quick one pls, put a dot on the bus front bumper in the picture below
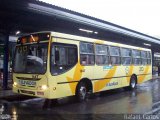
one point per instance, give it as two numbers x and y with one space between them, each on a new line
30 92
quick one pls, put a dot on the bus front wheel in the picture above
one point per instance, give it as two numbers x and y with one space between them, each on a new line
81 93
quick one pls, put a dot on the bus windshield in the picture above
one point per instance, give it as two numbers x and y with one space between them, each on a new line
31 58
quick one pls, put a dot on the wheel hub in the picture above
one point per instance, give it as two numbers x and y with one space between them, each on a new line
133 83
83 92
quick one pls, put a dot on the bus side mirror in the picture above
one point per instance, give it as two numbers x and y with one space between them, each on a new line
56 56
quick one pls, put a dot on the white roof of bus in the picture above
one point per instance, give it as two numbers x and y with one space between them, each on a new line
86 39
156 55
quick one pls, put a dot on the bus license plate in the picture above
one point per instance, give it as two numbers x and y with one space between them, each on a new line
27 83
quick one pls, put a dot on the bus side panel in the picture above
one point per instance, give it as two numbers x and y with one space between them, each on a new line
128 71
107 77
146 74
67 82
64 84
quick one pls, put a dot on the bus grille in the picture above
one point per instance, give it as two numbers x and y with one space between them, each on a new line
28 92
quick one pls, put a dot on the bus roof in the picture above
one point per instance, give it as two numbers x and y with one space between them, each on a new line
87 39
98 41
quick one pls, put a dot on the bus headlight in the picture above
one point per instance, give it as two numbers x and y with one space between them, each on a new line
15 83
44 87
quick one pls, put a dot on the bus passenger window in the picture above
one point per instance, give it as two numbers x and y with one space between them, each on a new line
115 60
86 53
126 56
148 57
84 59
115 55
136 57
144 57
102 57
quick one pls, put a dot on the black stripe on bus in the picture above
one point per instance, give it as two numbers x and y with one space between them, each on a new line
118 77
67 82
109 78
144 74
101 79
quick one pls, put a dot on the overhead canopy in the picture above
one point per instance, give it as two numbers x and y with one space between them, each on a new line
32 16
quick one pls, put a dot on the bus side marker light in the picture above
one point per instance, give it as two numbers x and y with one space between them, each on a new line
54 88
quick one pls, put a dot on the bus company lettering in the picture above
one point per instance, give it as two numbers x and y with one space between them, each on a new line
141 68
27 83
112 84
107 67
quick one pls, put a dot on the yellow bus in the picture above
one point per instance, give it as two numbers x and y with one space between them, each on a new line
53 65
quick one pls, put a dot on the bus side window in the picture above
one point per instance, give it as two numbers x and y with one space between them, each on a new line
148 57
87 53
102 56
83 59
144 57
126 56
136 57
115 55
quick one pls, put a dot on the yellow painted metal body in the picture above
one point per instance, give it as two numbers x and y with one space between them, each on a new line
102 77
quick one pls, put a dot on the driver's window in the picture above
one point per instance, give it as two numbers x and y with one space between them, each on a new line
63 57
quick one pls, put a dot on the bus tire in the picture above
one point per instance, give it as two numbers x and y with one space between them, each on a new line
81 93
133 83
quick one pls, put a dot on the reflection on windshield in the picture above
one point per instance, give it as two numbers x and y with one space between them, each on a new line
35 58
31 58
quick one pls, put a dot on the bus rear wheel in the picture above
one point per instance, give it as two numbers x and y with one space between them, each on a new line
133 83
81 93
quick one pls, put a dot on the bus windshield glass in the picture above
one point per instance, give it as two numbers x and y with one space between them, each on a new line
31 58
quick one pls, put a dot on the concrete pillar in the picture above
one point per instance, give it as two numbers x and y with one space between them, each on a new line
152 60
6 59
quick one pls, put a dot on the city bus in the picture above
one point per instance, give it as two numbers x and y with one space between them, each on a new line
54 65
